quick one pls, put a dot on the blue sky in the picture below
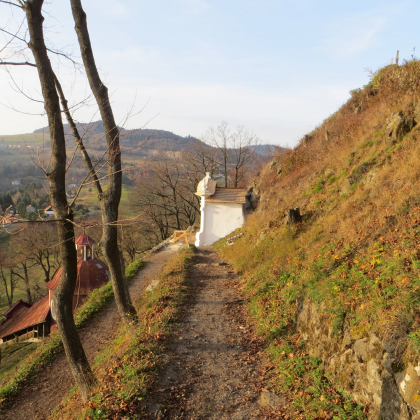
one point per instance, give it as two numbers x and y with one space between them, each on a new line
277 67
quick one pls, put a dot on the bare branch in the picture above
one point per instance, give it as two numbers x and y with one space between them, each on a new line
11 4
9 63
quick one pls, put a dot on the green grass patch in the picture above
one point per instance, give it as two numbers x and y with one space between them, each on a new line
302 378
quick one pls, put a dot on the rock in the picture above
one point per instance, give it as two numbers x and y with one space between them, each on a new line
293 217
392 406
361 350
398 126
370 177
327 136
307 139
252 200
279 170
152 285
408 383
272 400
328 172
417 113
347 340
345 186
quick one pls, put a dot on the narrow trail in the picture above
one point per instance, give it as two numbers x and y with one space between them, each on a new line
212 369
47 389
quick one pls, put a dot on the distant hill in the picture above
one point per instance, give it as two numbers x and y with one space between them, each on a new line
147 139
19 153
142 141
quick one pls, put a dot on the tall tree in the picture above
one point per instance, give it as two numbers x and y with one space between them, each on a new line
110 198
220 138
235 151
63 295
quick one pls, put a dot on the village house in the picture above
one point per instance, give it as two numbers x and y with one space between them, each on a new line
48 211
9 219
30 209
24 321
222 210
10 210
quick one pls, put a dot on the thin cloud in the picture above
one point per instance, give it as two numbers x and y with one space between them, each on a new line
194 7
345 44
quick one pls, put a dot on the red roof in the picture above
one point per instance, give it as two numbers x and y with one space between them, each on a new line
16 309
84 240
49 208
32 316
91 274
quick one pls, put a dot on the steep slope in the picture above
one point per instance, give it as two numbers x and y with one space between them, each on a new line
340 288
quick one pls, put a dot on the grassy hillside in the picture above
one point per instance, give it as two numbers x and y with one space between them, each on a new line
88 197
355 254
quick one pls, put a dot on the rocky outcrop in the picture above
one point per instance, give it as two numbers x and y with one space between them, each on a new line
397 126
362 364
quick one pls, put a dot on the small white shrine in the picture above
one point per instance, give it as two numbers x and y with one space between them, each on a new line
221 211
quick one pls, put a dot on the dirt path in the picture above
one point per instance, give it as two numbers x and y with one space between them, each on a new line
45 392
212 369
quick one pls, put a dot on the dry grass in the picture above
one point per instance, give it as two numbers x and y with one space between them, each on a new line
357 250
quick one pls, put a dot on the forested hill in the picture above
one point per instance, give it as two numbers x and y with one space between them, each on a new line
147 138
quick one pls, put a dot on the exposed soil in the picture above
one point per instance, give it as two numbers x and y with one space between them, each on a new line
46 390
212 369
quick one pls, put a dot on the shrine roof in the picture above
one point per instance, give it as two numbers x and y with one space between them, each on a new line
84 240
228 195
91 274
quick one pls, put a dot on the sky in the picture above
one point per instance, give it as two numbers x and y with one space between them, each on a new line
276 67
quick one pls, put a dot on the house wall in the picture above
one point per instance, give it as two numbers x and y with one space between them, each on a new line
218 220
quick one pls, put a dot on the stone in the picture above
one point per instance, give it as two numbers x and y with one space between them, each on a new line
409 385
152 285
370 177
293 217
398 126
347 340
328 172
417 113
307 139
392 405
272 400
252 200
361 350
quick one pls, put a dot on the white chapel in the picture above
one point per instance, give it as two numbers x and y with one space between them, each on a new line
222 210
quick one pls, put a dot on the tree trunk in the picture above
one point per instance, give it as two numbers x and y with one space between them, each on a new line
63 296
110 199
27 285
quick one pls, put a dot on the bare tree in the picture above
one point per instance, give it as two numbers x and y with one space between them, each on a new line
136 239
166 197
109 199
242 151
201 158
236 150
39 246
220 138
8 278
63 295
